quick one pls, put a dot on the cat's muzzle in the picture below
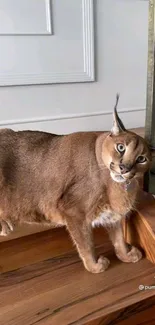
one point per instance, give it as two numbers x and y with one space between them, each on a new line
123 174
125 168
121 178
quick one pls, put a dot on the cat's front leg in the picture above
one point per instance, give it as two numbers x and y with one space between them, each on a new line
81 234
6 227
122 250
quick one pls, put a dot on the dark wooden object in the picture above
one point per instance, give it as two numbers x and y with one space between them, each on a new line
140 228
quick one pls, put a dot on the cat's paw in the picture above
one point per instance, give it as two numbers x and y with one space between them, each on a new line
5 231
6 227
134 255
100 266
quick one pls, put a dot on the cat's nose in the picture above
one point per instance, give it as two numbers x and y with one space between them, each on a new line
125 168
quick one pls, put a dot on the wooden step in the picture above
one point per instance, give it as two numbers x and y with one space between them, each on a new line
44 282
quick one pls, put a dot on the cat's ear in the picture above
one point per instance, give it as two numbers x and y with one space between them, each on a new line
118 126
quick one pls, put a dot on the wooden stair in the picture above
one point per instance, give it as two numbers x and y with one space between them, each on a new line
43 282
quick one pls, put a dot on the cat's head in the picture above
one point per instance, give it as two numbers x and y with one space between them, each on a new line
126 154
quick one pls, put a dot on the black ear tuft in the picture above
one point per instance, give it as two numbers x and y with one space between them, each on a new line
117 123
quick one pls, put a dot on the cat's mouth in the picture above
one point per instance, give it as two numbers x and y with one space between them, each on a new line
119 178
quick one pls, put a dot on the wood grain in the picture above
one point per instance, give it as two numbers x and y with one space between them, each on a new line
141 313
67 294
41 246
24 230
58 290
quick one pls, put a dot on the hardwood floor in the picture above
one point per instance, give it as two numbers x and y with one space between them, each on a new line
43 282
41 246
141 313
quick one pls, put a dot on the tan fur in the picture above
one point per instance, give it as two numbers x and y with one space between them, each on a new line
66 180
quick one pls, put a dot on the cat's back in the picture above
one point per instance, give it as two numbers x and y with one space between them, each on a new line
11 138
33 140
21 152
37 150
6 138
7 145
24 142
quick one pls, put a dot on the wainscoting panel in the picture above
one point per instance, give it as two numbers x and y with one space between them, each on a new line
24 17
44 41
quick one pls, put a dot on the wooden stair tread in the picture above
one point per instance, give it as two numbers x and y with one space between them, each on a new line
45 283
31 249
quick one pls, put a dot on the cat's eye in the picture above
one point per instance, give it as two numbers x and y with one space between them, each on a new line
141 160
120 147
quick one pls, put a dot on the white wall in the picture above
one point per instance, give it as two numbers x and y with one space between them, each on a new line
121 66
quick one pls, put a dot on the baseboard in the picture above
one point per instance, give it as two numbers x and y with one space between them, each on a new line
132 118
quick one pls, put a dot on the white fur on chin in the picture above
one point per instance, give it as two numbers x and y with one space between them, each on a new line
117 178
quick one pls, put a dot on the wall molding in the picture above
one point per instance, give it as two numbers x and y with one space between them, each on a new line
33 33
68 116
87 73
43 78
48 17
88 38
